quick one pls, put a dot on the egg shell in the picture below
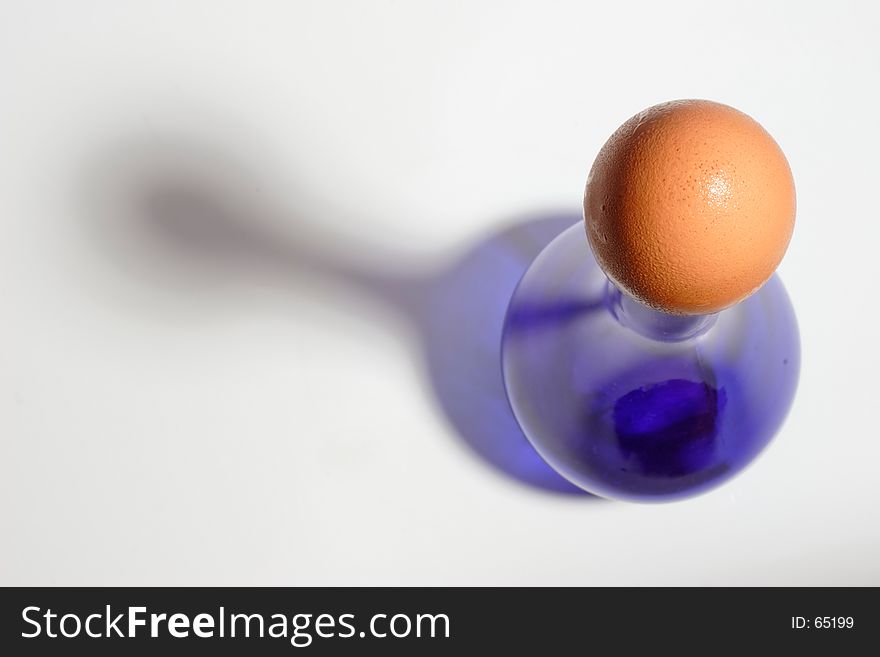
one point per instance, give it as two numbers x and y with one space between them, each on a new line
690 206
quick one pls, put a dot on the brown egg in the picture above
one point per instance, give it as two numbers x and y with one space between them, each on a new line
690 206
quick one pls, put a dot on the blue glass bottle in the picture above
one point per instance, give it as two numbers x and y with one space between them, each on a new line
631 403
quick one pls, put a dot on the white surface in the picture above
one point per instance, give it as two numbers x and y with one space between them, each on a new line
166 418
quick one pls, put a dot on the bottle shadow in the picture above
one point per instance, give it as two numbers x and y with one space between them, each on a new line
184 211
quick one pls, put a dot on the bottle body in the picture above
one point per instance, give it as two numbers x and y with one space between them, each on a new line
633 404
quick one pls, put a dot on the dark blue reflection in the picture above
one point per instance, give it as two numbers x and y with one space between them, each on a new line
669 428
525 317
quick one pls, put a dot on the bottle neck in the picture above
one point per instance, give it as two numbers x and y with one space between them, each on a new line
652 323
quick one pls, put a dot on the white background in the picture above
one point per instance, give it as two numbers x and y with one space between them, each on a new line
180 405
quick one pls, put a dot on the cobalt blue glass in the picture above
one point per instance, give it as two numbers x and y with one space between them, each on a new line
634 404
